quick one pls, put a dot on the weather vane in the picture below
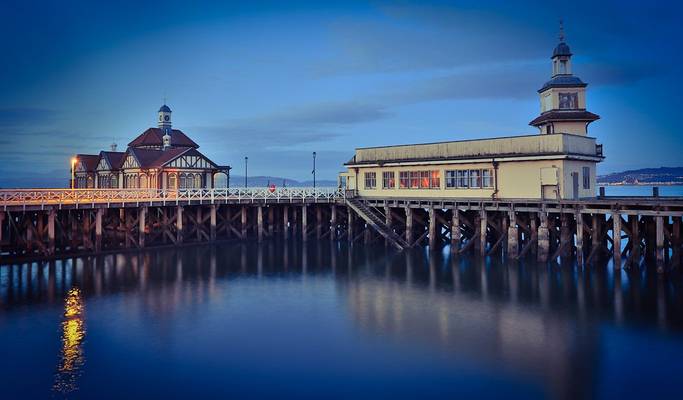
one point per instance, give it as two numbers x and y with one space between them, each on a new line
561 30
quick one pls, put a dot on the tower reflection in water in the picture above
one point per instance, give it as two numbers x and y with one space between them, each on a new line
72 357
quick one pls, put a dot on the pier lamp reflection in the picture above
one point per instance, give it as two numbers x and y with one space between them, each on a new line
73 333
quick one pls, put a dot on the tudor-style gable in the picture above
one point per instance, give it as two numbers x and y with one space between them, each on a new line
103 165
191 161
130 162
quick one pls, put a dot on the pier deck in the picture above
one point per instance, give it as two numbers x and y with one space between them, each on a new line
630 230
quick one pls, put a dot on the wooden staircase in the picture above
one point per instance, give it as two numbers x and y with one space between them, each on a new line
376 223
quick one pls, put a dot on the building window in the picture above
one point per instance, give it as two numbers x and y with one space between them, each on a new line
370 180
569 101
586 177
404 179
435 180
143 181
197 181
172 184
463 179
114 183
451 179
475 178
487 178
388 180
183 183
414 179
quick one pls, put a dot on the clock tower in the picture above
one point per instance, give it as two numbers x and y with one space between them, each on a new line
563 97
165 118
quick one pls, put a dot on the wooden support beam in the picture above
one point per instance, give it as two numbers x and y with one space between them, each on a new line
243 226
388 220
259 223
333 223
51 232
483 220
432 229
349 224
285 221
543 238
513 237
213 222
142 227
616 239
676 242
318 221
2 227
179 224
271 221
564 248
456 234
409 225
304 222
579 238
659 226
596 235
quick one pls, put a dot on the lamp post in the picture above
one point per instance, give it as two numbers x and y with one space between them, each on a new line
74 160
314 169
246 161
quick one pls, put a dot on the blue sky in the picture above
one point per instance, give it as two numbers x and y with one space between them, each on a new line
278 80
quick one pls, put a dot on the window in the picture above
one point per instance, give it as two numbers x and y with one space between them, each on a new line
569 101
463 178
388 180
197 181
414 179
370 180
435 180
586 177
451 180
486 178
424 179
404 179
172 182
183 184
475 178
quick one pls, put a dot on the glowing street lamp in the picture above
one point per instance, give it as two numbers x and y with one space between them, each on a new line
74 160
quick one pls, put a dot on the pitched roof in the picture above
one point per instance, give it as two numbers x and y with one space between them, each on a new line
560 81
89 161
561 115
152 158
114 158
154 137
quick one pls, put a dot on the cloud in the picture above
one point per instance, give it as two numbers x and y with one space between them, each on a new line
295 126
15 117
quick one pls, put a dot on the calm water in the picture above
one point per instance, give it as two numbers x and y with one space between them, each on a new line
321 321
643 190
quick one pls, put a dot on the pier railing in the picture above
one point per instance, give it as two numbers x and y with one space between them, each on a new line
14 197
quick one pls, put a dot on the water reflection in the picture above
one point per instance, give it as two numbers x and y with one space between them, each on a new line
72 357
542 322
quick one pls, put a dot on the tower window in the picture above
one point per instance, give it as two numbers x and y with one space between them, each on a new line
569 101
586 177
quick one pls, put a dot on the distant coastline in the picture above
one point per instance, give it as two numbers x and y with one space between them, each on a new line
662 176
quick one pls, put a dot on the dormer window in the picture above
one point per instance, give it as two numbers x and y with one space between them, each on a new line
563 67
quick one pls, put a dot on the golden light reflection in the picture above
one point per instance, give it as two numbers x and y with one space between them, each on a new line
73 332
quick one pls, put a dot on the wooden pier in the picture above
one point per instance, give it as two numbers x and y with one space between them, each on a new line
631 231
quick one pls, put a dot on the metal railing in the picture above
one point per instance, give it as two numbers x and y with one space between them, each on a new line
13 197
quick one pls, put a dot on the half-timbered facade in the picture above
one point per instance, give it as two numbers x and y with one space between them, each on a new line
159 158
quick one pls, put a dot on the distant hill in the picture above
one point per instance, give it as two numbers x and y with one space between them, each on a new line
237 181
645 176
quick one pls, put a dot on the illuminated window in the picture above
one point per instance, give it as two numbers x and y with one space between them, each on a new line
370 180
414 179
404 179
197 181
388 180
435 180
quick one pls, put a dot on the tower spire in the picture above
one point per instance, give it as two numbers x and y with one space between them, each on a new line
561 32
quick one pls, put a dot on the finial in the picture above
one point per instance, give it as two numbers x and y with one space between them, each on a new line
561 30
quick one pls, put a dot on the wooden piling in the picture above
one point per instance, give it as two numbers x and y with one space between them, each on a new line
409 225
51 232
616 239
333 223
543 238
213 222
456 234
285 221
659 222
483 220
304 222
579 238
179 224
676 242
243 220
259 223
432 229
349 225
513 236
142 226
271 221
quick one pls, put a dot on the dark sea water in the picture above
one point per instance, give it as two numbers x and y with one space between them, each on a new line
324 320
